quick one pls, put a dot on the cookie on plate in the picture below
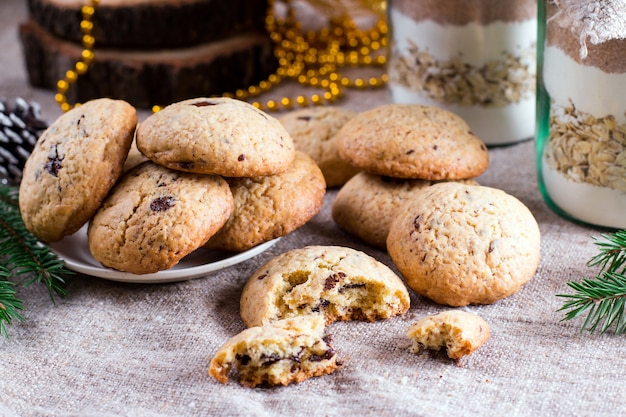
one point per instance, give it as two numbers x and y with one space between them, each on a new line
279 353
365 206
412 141
155 216
73 166
219 136
313 132
459 332
271 206
461 244
339 282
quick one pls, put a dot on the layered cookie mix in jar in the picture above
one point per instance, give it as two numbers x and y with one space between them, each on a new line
476 58
581 117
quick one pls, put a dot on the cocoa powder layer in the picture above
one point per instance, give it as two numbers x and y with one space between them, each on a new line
462 12
609 56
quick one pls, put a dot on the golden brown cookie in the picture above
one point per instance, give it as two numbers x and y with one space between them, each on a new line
313 131
73 166
365 206
155 216
459 332
219 136
412 141
278 353
339 282
271 206
463 244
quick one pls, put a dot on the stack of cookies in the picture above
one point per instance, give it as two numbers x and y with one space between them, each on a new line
214 165
453 240
399 150
149 52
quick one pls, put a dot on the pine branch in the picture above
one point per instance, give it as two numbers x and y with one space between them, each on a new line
612 256
25 258
10 305
602 298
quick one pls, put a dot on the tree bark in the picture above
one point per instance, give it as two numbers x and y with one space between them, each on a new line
147 78
145 25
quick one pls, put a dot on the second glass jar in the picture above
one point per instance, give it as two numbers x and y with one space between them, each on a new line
475 58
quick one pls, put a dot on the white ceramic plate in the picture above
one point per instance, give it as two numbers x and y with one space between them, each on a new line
74 250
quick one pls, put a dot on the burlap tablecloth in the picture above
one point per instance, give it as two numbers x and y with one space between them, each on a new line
116 349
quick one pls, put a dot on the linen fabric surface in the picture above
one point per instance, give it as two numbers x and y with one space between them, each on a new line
118 349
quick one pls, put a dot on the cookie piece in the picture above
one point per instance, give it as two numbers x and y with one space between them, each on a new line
155 216
460 332
339 282
219 136
313 132
412 141
73 166
271 206
365 206
463 244
279 353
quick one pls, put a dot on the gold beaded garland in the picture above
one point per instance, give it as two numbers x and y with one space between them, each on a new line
311 58
87 56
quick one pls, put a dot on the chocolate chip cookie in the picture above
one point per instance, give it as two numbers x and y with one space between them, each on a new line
220 136
461 244
278 353
340 283
155 216
73 166
412 141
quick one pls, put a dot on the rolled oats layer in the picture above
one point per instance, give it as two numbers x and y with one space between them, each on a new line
462 12
496 83
586 148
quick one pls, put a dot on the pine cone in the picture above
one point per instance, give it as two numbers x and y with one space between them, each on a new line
20 127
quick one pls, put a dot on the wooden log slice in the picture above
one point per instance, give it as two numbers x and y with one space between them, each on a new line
144 24
146 78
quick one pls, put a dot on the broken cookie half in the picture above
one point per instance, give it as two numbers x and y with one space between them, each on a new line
459 332
339 282
279 353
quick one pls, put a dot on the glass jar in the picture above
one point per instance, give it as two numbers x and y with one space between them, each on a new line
475 58
581 103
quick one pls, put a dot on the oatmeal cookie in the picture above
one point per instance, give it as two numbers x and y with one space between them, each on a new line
365 206
463 244
219 136
271 206
73 166
412 141
339 282
155 216
313 132
279 353
459 332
